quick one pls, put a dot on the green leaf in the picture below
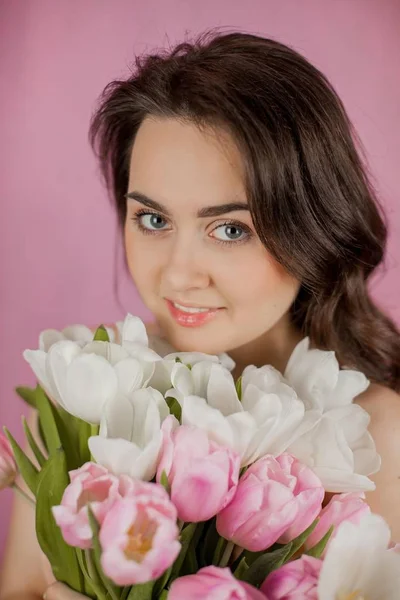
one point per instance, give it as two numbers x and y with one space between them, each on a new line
317 550
101 335
25 466
218 551
209 543
162 582
190 564
143 591
27 394
52 481
47 420
74 434
164 481
174 408
238 386
90 588
241 569
298 542
32 443
265 564
186 537
164 595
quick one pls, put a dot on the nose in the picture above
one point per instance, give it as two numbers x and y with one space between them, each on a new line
185 266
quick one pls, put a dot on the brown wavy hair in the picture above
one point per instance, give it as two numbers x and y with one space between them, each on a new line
308 187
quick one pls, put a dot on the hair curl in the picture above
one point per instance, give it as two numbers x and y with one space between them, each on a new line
310 195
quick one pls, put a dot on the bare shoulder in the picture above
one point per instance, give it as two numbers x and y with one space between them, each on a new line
382 403
383 406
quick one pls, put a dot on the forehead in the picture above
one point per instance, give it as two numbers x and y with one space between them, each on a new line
176 163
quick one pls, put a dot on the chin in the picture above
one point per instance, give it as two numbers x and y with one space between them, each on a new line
197 340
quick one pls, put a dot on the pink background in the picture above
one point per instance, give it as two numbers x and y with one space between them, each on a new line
57 230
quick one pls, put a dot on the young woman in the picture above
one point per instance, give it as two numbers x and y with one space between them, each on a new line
248 222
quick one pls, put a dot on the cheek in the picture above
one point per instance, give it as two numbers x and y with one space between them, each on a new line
140 260
259 282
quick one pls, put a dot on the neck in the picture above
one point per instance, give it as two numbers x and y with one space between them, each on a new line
274 348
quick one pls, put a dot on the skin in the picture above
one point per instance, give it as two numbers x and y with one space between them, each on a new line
185 262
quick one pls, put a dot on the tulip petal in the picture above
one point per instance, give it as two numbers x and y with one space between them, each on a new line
221 392
78 333
37 361
90 383
130 375
134 330
199 492
358 560
48 337
141 352
117 455
146 416
118 418
113 353
59 358
181 379
197 412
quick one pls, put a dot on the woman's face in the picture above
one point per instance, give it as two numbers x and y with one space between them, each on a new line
191 245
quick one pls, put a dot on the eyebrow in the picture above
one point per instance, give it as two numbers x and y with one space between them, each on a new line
208 211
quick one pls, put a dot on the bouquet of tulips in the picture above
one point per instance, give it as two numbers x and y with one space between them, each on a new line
160 476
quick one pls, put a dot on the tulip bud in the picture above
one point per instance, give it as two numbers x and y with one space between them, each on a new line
202 475
296 580
276 500
8 467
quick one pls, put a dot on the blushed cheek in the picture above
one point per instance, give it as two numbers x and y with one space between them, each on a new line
266 286
143 265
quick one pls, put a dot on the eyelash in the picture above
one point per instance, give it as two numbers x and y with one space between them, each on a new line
141 213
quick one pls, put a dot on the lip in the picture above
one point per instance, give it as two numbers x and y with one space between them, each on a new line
191 319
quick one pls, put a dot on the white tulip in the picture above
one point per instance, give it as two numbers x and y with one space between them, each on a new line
358 564
266 420
135 340
182 374
82 377
340 450
319 381
74 333
130 435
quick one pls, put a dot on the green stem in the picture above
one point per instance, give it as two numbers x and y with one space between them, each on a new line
21 492
125 592
99 578
227 554
96 589
180 524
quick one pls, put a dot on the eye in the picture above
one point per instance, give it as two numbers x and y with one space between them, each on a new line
150 221
230 232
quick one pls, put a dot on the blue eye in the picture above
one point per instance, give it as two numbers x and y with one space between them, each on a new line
229 233
150 221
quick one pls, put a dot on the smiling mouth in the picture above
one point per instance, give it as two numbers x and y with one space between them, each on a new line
191 316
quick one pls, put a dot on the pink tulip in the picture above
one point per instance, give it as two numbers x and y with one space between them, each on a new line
8 467
296 580
203 476
308 492
139 535
342 507
276 499
92 484
213 583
